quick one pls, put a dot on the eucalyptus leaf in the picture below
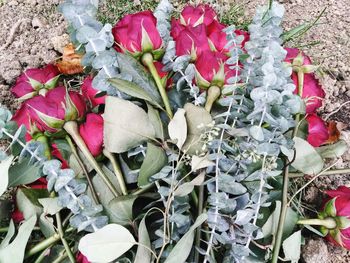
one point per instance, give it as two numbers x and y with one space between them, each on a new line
154 161
107 243
120 209
200 162
4 168
24 172
134 90
131 67
143 255
178 128
307 160
186 188
130 129
292 247
14 252
183 248
198 122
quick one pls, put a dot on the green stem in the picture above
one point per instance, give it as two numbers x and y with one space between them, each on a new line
5 229
144 189
330 172
282 217
213 94
328 222
82 166
199 229
147 60
63 240
117 171
71 128
42 255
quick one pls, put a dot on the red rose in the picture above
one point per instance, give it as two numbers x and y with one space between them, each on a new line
190 40
35 81
57 107
317 130
197 15
80 258
211 70
90 93
312 90
338 207
137 34
92 133
164 75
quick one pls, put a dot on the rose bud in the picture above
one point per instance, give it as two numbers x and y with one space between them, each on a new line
22 117
197 15
164 75
57 107
35 81
90 93
137 34
92 133
311 90
190 40
317 130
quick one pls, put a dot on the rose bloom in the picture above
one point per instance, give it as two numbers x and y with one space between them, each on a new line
90 93
92 133
196 15
35 81
317 130
312 90
137 34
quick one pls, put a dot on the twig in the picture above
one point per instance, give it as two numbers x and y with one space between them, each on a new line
329 172
12 33
335 111
63 240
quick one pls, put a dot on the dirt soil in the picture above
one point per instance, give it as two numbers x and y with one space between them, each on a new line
33 33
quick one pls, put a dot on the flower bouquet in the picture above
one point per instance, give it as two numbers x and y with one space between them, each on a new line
167 138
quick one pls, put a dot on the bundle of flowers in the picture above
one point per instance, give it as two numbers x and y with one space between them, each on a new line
167 138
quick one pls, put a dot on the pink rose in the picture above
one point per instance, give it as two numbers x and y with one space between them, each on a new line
137 34
317 130
35 81
90 93
57 107
211 70
190 40
197 15
312 90
92 133
80 258
338 207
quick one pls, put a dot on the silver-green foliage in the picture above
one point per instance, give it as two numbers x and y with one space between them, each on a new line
247 154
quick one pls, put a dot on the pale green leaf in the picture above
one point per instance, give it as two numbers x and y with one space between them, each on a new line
125 125
200 162
187 188
46 225
23 173
335 150
51 205
27 201
154 117
107 243
120 209
198 122
178 128
183 248
307 160
4 168
257 133
291 247
143 255
9 235
154 161
14 252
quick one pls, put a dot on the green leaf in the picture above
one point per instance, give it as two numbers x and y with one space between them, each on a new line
270 227
143 255
200 163
24 172
177 128
28 201
187 188
307 160
4 168
198 120
9 235
154 117
132 67
63 147
183 248
14 252
107 243
51 205
120 209
125 125
335 150
154 161
46 225
134 90
291 247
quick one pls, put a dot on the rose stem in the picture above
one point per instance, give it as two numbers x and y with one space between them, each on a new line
328 222
63 240
147 60
214 93
71 128
284 205
82 166
330 172
117 171
46 243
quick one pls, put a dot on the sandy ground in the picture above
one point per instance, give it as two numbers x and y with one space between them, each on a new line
32 34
